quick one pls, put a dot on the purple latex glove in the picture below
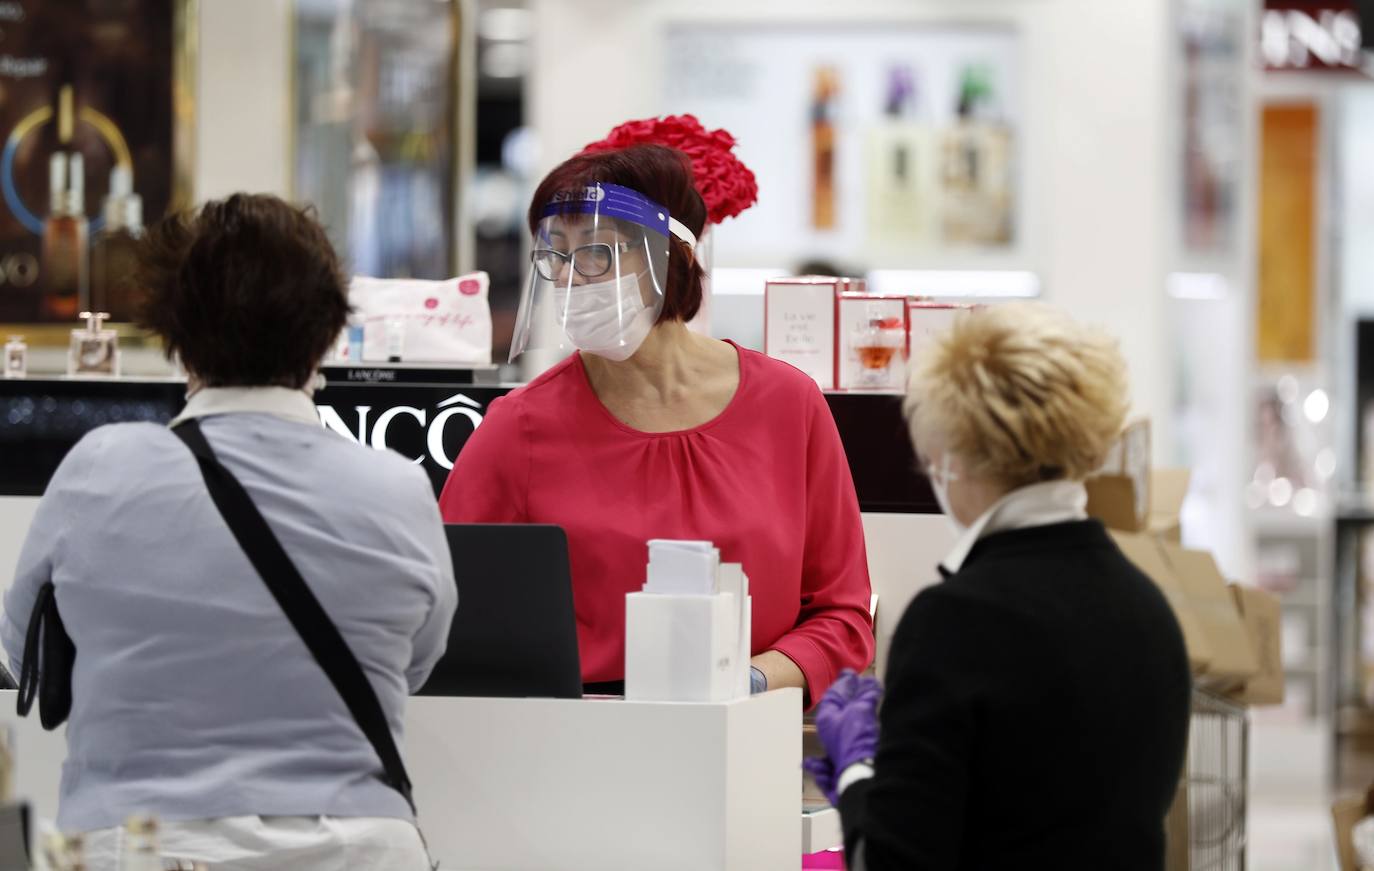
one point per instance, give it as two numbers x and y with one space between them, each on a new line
847 720
823 771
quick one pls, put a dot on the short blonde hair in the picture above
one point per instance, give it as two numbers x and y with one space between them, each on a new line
1020 393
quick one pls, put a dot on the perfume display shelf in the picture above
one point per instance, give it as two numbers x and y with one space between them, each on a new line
423 417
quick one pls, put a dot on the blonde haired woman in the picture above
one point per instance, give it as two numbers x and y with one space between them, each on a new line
1036 712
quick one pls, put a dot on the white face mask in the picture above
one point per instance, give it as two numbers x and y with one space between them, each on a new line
939 477
607 318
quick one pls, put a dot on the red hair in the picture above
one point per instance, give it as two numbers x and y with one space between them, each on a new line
662 174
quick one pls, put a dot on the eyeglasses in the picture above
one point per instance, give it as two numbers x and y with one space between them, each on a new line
589 261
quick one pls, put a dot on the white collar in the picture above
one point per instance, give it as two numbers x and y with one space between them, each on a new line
282 402
1033 505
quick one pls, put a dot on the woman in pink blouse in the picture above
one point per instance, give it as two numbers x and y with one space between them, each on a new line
652 431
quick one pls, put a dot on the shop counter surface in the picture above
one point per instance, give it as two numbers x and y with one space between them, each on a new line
573 784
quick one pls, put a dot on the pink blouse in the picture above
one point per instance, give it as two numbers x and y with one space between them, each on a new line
766 480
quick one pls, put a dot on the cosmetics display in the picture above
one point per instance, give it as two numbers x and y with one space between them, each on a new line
976 167
902 165
94 350
799 322
411 320
97 105
934 184
65 231
825 92
846 338
878 146
927 318
871 334
114 254
16 358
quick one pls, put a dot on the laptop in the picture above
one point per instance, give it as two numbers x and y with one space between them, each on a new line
515 631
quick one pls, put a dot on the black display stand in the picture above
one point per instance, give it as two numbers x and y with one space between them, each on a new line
429 419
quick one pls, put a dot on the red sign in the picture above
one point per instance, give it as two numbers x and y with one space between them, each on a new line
1322 35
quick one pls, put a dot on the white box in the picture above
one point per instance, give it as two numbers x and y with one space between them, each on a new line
421 321
799 322
733 581
684 567
926 320
681 648
821 830
856 314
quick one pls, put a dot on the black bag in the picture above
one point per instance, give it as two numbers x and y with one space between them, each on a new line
46 672
304 611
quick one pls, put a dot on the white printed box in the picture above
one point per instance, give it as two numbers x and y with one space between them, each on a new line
928 319
799 322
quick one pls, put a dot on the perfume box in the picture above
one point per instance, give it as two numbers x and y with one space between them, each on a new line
927 319
871 341
799 316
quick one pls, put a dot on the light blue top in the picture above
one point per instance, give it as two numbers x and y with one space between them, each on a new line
194 698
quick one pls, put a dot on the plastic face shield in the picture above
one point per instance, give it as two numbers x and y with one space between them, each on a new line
598 267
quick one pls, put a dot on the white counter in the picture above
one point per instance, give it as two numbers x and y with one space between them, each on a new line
516 784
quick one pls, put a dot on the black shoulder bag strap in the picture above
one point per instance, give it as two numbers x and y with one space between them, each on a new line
46 670
304 611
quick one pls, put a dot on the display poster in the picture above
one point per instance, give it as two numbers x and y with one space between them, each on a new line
1312 35
1285 320
375 131
871 142
1213 79
94 149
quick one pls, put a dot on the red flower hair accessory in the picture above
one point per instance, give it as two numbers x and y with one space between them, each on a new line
725 184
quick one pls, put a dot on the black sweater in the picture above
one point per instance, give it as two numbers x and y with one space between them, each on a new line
1036 715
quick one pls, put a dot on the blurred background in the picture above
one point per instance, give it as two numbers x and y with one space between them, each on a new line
1195 175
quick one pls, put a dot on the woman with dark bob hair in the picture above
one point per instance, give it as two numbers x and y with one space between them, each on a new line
194 698
649 430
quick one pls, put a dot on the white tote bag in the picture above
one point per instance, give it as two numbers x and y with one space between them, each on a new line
423 321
